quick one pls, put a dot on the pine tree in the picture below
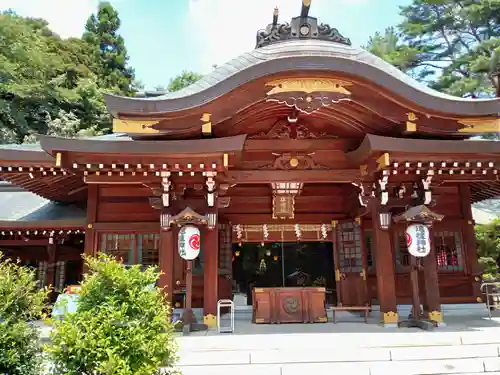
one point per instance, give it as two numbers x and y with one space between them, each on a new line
102 33
452 45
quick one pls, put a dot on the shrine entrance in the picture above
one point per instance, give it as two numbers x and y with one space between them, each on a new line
284 264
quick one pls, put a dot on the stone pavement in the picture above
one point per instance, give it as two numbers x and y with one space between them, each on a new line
468 345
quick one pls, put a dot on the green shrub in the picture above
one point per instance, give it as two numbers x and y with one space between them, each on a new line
20 302
121 326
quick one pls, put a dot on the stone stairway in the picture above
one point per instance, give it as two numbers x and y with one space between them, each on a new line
401 352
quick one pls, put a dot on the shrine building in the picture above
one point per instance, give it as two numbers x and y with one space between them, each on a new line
304 140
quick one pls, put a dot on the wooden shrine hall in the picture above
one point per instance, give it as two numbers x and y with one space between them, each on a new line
304 139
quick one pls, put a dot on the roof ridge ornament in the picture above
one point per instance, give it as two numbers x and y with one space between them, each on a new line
301 27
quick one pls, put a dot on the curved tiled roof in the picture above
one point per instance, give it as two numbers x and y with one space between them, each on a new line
296 55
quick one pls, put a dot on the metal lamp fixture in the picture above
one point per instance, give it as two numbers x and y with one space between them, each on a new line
385 220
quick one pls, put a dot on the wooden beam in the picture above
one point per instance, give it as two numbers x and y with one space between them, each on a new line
151 227
138 179
309 176
299 145
27 242
249 219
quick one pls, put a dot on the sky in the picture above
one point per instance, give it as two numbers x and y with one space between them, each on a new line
165 37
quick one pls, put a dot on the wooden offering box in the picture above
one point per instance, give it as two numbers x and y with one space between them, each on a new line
289 305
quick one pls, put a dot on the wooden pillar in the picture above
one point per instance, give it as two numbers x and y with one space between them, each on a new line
432 304
90 234
167 250
384 268
210 241
469 241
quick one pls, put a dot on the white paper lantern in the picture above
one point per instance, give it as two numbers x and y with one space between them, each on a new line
189 242
418 240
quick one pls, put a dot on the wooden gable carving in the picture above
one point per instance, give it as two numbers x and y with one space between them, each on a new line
420 214
290 129
189 216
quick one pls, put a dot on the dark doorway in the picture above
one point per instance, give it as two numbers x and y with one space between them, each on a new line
289 264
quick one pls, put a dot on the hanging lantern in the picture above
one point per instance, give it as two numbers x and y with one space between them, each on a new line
268 253
385 220
237 253
262 266
275 257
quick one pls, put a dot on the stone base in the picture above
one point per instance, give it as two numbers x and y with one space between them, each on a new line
389 319
210 321
423 324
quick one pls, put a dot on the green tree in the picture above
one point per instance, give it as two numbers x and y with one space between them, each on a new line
388 46
452 45
20 302
183 80
121 326
44 77
101 32
488 250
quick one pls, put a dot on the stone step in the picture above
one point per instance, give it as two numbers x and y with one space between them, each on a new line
397 338
431 367
327 355
465 359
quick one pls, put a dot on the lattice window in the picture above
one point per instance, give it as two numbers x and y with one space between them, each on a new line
448 246
350 248
148 249
370 255
401 247
120 246
225 249
449 250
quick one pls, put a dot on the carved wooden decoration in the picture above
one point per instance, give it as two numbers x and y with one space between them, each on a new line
135 126
419 213
290 161
291 130
308 86
308 95
188 216
480 125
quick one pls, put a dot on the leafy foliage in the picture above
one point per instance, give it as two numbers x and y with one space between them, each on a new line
20 302
183 80
121 326
50 85
453 45
488 240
